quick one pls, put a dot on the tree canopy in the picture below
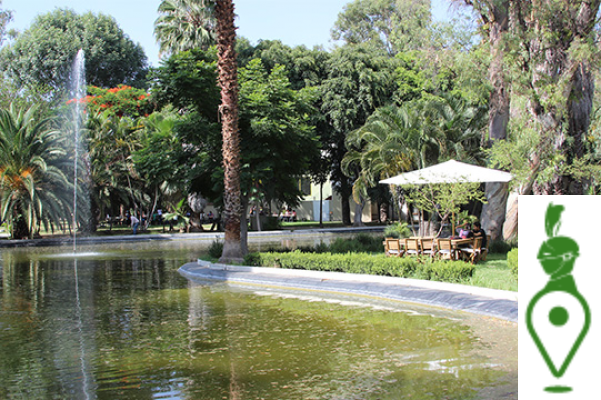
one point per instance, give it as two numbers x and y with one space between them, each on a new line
43 54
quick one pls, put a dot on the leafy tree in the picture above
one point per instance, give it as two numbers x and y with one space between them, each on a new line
278 141
111 141
34 188
360 80
5 17
159 159
184 25
393 25
304 67
187 80
121 101
43 54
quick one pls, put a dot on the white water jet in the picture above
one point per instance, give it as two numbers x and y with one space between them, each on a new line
78 94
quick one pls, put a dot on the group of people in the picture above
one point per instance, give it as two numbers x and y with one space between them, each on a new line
288 215
475 231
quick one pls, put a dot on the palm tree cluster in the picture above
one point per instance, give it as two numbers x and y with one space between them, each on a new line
34 186
184 25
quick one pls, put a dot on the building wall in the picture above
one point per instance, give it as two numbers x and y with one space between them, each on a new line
308 210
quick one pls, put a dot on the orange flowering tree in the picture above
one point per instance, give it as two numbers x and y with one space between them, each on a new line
120 101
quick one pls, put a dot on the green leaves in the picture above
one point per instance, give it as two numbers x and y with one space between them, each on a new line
553 219
44 53
33 160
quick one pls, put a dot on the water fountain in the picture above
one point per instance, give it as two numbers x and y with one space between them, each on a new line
78 93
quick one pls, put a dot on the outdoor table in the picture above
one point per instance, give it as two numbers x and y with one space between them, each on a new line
458 243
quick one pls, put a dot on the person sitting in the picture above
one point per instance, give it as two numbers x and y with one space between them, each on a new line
481 233
464 230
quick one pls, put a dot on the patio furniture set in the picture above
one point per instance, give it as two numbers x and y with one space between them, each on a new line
447 249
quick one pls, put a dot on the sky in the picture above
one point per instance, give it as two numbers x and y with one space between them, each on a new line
294 22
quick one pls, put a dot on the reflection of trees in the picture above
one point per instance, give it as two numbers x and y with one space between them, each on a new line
143 329
38 304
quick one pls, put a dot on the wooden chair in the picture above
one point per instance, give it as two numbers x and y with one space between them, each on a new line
428 247
445 249
393 247
484 250
412 247
472 254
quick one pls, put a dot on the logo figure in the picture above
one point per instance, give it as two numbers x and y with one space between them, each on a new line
557 256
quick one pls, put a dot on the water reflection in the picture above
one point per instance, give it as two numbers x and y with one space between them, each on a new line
126 325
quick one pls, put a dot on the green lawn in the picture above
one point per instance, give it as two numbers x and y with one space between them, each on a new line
494 274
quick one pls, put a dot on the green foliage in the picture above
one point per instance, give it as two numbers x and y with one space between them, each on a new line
278 139
512 261
121 101
445 199
44 53
184 25
358 243
398 230
386 24
216 250
500 246
34 186
188 80
362 263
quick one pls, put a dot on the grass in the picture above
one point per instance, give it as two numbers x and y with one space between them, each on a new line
494 274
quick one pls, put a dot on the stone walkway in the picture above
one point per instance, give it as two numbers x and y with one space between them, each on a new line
494 303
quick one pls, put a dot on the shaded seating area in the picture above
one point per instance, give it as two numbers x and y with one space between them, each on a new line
470 250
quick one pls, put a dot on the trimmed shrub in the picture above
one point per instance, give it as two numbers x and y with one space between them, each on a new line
397 230
501 246
216 249
363 263
512 261
361 243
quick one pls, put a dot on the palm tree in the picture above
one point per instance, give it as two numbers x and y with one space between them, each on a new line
385 146
228 80
34 188
184 25
112 140
218 14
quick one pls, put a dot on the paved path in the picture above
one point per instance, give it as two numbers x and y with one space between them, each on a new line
207 236
495 303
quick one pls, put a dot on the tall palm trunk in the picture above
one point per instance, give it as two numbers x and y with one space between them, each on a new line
228 80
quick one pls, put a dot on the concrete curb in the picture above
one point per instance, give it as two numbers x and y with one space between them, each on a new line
207 236
490 302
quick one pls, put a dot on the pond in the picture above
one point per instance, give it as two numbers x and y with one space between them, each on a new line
120 322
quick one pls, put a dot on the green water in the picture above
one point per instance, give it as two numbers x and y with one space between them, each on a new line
123 324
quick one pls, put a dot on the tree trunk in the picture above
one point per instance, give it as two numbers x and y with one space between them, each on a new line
510 228
244 226
493 213
358 220
321 204
561 82
228 110
345 195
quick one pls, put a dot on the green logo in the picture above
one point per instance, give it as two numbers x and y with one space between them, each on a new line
557 256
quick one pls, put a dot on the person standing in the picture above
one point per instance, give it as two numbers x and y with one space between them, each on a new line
135 223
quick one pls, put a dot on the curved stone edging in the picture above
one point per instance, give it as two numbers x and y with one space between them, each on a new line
495 303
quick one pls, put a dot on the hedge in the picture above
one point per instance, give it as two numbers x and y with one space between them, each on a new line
363 263
512 261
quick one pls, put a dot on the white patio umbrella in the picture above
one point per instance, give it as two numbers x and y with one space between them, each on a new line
449 172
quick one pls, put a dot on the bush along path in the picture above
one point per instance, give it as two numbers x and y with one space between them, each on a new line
364 263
